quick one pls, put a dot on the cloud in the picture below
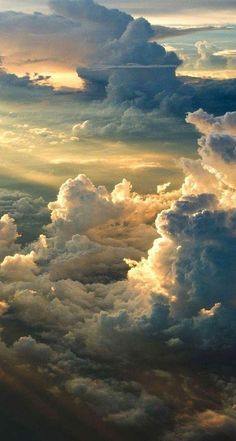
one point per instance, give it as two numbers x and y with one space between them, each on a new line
164 31
214 96
197 236
23 88
82 37
8 236
30 350
88 261
122 64
81 206
18 267
217 146
124 404
30 214
209 426
207 124
93 230
208 57
90 11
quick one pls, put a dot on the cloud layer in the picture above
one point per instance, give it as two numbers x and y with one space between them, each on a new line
102 336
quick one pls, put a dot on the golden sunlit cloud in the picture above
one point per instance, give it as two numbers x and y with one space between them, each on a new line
55 75
204 73
226 53
63 79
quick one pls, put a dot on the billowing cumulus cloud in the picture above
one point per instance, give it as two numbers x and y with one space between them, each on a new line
80 206
218 145
18 267
207 124
197 244
8 235
208 57
93 230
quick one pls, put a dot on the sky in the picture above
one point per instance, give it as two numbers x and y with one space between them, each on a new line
117 220
164 12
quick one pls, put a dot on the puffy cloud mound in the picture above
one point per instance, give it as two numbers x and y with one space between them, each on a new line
79 202
8 236
207 124
93 230
207 58
8 231
19 267
81 206
218 145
